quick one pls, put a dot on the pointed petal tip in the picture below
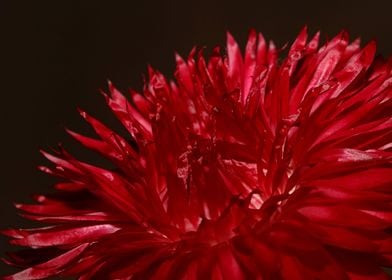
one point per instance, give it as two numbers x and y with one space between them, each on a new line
110 83
178 58
252 32
368 52
82 113
344 34
43 152
271 45
316 36
371 46
372 43
230 39
6 232
71 132
150 70
7 262
18 205
357 40
260 36
193 52
303 31
103 93
42 168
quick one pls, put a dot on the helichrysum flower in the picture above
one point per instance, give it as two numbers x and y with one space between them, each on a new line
244 167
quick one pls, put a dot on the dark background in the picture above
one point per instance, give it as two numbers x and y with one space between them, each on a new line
55 55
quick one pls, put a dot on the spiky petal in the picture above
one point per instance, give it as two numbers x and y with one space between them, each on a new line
244 168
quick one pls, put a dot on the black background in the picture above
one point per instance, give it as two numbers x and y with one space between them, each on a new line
55 55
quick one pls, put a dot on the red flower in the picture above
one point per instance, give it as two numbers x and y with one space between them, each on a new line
244 168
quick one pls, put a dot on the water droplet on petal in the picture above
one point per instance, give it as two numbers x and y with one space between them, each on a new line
325 87
256 201
296 55
41 198
60 168
191 107
83 114
293 189
109 176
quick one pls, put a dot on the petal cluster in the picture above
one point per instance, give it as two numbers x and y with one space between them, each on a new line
247 166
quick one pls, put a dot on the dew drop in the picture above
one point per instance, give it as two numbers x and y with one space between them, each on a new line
60 168
325 87
207 212
312 45
191 107
44 169
109 176
293 189
41 198
296 55
256 201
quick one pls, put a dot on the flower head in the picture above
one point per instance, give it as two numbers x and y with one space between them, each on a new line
244 167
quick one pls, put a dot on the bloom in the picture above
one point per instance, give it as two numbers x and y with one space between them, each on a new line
245 167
